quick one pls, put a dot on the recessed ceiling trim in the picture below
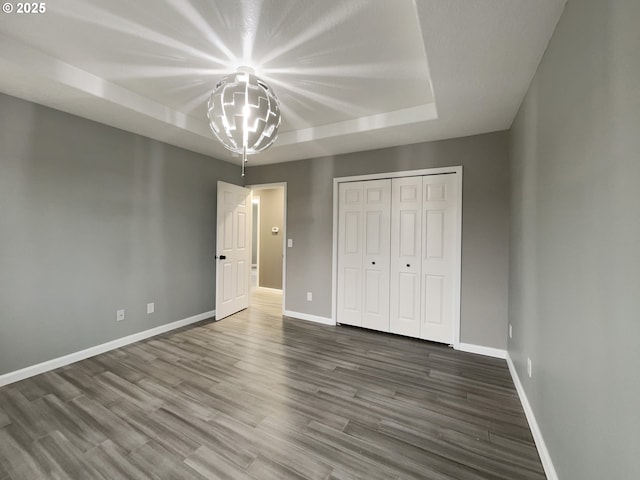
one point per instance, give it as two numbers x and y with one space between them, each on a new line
404 116
18 56
27 59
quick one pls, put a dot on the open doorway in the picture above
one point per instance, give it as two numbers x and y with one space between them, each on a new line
269 242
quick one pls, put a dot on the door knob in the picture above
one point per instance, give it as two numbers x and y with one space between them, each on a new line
373 263
408 264
222 257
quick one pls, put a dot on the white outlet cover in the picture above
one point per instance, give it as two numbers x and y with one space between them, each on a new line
119 315
290 242
529 371
309 296
510 331
151 307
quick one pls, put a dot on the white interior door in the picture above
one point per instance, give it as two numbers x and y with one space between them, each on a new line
375 260
439 200
233 249
406 258
350 246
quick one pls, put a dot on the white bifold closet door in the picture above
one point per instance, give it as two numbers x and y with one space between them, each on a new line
406 256
363 250
397 255
439 225
423 234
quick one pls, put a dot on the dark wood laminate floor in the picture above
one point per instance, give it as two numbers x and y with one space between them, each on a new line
256 396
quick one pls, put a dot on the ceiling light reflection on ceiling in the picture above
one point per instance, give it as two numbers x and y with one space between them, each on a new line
244 113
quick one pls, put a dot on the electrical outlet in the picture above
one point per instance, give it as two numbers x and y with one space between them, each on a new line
510 331
119 315
529 372
309 296
151 307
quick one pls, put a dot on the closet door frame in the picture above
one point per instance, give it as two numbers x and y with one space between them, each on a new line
457 170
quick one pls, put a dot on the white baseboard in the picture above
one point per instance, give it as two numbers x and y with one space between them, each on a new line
43 367
545 457
310 318
268 289
487 351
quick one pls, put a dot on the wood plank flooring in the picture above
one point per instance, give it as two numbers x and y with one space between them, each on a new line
256 396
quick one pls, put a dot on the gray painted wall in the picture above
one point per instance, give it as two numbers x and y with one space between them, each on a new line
574 283
94 219
485 231
270 258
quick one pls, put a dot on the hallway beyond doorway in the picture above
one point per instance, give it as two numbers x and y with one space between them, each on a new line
265 301
268 235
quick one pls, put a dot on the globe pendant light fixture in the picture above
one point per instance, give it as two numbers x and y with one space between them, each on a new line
244 113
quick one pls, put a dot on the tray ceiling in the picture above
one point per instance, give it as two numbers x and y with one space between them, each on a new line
350 75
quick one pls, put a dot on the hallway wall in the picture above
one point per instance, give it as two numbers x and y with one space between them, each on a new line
270 245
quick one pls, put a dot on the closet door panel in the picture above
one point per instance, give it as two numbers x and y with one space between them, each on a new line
350 253
377 224
405 262
438 257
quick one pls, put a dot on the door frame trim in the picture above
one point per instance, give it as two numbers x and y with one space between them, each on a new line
257 241
457 170
268 186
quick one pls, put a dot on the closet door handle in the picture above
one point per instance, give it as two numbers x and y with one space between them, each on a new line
408 264
373 263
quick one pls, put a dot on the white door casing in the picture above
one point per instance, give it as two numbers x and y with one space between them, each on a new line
439 260
233 245
406 258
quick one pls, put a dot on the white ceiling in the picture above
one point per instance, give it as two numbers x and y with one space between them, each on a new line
350 74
